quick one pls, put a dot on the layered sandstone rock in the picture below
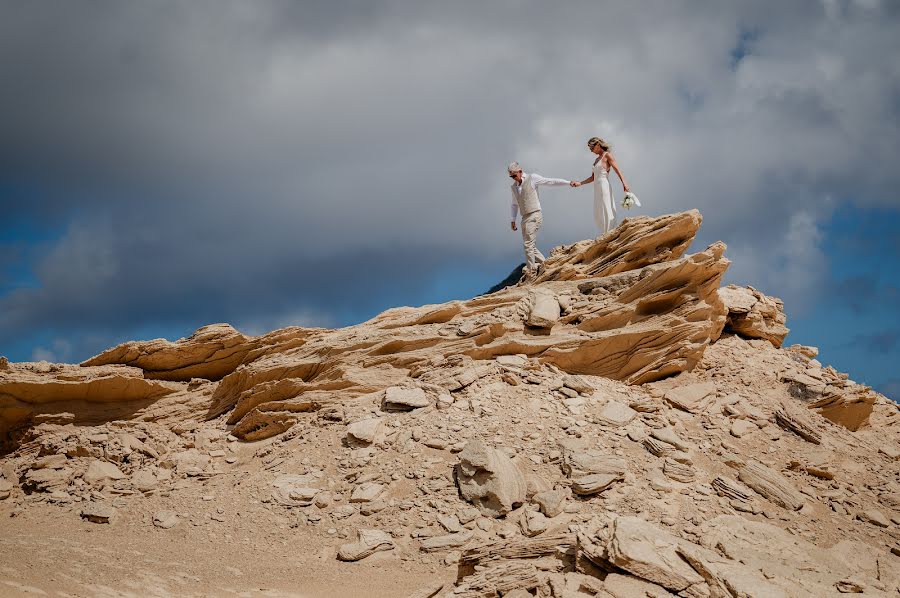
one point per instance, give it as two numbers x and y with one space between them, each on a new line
589 434
42 392
635 325
635 243
212 352
753 314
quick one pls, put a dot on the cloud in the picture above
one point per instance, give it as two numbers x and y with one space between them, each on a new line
270 162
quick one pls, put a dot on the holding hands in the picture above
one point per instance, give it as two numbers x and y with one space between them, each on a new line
574 184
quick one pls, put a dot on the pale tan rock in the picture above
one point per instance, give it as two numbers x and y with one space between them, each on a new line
679 472
649 552
551 502
753 314
626 586
593 483
731 488
873 516
366 430
446 542
144 480
5 488
849 406
100 471
635 243
86 395
669 436
742 427
366 492
211 352
791 563
368 543
534 523
795 421
98 513
543 309
615 414
489 479
694 398
771 485
166 519
404 399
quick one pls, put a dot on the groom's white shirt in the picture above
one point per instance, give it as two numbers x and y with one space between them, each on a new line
536 181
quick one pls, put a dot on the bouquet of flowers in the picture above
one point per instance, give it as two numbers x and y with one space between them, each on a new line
629 200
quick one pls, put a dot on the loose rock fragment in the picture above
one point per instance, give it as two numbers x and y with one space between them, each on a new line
98 513
488 479
369 542
771 485
165 519
404 399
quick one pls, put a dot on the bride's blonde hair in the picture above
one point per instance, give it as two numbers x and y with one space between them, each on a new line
595 141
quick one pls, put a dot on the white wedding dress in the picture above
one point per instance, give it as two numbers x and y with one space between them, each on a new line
604 204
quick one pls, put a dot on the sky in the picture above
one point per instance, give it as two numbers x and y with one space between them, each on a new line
168 164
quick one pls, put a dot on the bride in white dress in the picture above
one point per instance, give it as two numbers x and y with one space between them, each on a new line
604 204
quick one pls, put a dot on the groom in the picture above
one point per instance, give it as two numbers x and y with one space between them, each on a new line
525 200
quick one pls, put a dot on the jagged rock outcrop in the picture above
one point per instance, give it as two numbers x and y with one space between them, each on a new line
212 352
635 243
753 314
635 325
639 448
42 392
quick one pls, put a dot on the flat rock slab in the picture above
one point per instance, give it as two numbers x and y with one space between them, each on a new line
650 552
366 430
166 519
366 492
98 471
404 399
615 414
98 513
445 542
693 398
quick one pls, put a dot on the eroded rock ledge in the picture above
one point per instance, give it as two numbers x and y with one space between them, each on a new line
630 306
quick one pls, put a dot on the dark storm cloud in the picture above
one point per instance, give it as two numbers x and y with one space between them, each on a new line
271 161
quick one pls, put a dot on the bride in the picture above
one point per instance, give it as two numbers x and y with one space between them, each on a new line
604 205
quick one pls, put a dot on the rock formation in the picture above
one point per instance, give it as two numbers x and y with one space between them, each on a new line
617 426
753 314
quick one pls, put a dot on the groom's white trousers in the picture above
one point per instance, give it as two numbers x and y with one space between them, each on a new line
531 224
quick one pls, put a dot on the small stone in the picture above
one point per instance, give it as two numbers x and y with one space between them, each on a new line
366 430
98 513
366 492
448 541
99 471
404 399
144 480
742 427
874 517
534 523
450 523
165 519
370 508
369 542
551 502
615 414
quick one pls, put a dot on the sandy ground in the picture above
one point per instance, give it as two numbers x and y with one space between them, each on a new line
48 552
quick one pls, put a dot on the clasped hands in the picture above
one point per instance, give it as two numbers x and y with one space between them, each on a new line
574 184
